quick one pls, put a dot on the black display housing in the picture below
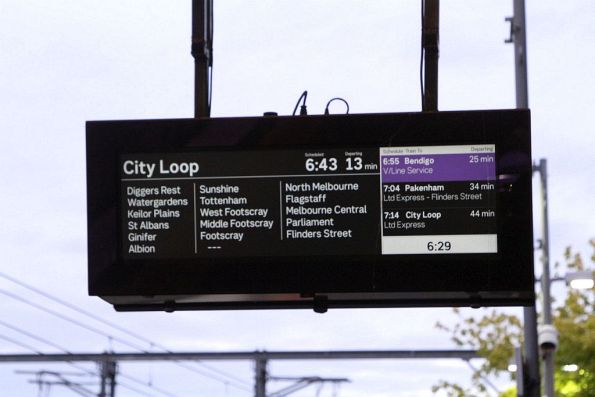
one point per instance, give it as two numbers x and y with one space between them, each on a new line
326 281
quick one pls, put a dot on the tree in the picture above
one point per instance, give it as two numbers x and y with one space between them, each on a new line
495 334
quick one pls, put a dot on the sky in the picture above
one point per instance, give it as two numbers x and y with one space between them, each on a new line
63 62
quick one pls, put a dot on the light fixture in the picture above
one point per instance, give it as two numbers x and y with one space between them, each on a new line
580 280
515 361
570 368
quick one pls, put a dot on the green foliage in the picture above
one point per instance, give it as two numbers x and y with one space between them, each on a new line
451 389
575 321
495 335
510 392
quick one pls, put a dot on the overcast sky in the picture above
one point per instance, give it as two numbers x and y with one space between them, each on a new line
63 62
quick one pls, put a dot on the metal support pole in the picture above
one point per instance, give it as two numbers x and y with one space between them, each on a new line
532 384
202 47
520 371
108 378
261 377
112 383
548 356
103 382
259 357
518 37
252 356
430 40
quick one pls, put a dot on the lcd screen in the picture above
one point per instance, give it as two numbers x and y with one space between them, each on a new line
316 201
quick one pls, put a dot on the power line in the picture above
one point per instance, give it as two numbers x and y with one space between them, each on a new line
241 384
50 343
131 378
134 389
19 343
111 337
102 333
28 347
42 340
484 378
68 319
33 336
61 380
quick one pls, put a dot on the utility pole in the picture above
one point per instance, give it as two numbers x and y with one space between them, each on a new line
107 370
430 48
548 356
260 377
202 51
518 37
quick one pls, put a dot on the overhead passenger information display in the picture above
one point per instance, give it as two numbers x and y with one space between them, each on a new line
420 200
368 210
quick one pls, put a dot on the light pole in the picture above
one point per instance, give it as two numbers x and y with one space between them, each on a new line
548 335
548 354
577 280
518 38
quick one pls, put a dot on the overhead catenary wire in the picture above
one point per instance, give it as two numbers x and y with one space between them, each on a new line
484 378
113 325
99 332
69 319
80 368
61 380
35 350
104 334
230 379
19 343
64 350
33 336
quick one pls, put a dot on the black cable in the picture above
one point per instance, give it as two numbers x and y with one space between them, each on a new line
421 61
326 111
210 90
303 109
121 329
210 37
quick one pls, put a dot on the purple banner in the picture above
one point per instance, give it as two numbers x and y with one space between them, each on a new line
439 167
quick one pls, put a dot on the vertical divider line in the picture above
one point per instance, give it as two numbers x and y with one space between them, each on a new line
281 208
195 236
